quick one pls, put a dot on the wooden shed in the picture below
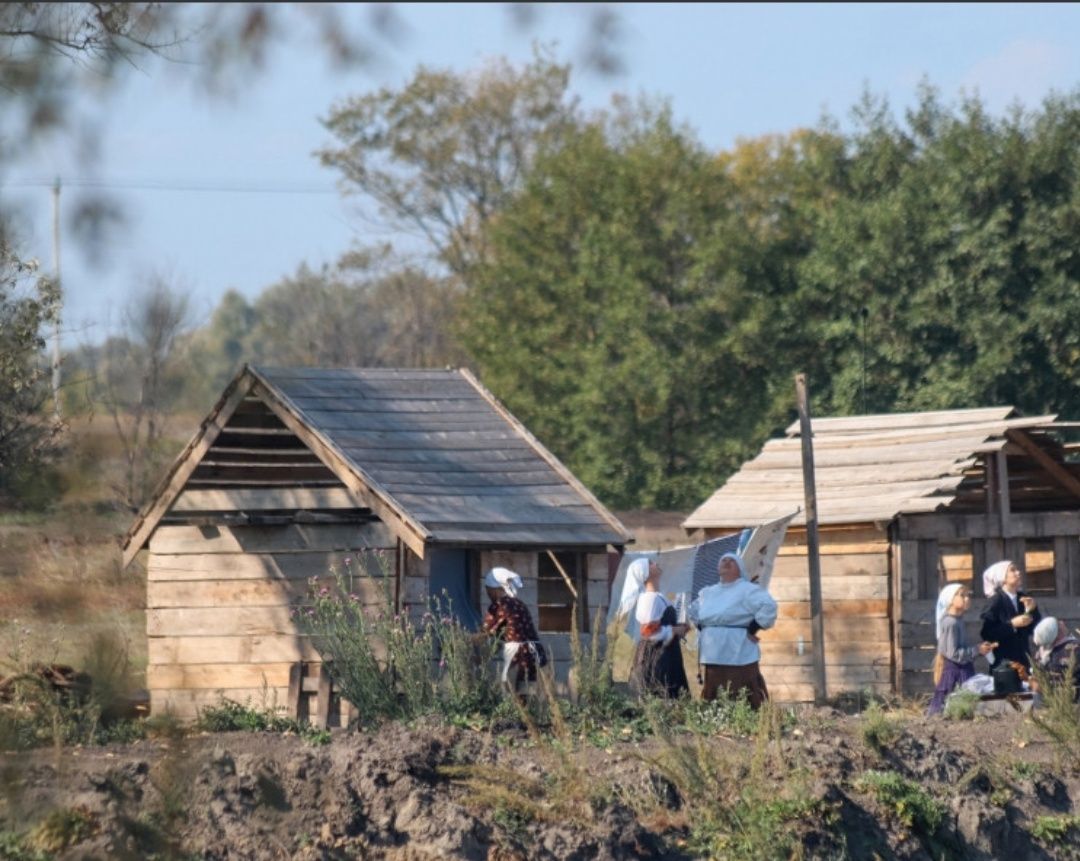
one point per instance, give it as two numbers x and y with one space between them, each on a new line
297 470
906 503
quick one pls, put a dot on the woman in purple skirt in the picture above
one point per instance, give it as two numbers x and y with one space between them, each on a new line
955 657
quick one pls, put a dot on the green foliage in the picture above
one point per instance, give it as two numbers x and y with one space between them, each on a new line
1058 830
389 665
230 716
28 434
903 800
1058 715
961 705
877 728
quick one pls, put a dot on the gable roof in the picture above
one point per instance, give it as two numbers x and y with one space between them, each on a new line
431 452
867 468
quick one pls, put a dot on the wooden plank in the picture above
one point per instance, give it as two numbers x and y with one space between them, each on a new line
887 421
322 701
184 465
851 629
787 653
184 704
176 540
265 499
282 648
215 676
978 565
1015 549
929 579
296 687
836 610
294 565
220 621
834 565
254 593
844 676
833 588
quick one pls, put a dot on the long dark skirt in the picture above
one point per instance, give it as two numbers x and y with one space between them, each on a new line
952 677
658 669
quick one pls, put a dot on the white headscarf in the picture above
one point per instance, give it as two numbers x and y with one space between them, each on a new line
994 576
944 602
1046 632
636 575
738 561
505 579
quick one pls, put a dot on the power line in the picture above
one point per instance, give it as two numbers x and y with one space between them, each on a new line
154 185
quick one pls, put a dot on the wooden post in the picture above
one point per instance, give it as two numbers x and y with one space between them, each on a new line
1003 492
813 557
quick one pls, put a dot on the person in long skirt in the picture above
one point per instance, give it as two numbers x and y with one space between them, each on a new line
658 662
729 616
954 662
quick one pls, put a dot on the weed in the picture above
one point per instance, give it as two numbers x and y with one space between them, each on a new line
61 828
903 800
877 728
13 847
1023 769
961 705
230 716
1057 830
1057 715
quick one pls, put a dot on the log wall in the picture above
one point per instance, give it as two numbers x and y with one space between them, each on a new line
922 552
218 617
856 595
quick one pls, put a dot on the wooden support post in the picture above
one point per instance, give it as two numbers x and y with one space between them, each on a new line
1003 492
296 688
322 708
817 619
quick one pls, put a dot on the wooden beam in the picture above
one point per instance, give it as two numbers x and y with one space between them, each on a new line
817 617
414 534
1054 469
184 466
1003 491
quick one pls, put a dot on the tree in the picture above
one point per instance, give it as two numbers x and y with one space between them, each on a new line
444 153
136 381
28 435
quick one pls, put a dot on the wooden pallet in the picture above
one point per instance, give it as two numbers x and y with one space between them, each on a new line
313 698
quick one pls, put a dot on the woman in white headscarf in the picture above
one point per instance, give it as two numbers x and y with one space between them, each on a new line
508 619
658 664
730 614
1009 616
954 662
1059 653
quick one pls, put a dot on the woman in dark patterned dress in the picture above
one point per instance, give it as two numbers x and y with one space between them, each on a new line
508 619
658 662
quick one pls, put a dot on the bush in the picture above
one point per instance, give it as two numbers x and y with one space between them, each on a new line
877 728
1057 830
903 800
961 705
390 666
231 716
1058 714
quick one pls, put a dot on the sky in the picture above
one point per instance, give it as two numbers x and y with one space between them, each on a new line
225 193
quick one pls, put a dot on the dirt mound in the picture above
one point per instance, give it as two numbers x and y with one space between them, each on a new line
934 790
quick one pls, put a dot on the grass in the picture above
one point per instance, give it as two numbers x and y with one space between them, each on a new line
877 728
1058 716
1059 830
231 716
903 801
961 706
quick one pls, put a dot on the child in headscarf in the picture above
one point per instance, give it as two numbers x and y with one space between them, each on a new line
954 662
508 619
658 663
1009 616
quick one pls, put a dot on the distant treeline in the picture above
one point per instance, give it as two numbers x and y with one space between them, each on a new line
642 302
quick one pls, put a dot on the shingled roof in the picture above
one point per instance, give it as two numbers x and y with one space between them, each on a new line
431 452
872 468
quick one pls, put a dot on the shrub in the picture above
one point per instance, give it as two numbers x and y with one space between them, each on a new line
230 716
961 705
1054 830
390 666
877 728
1058 714
903 800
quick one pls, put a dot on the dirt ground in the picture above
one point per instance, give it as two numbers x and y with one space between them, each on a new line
435 792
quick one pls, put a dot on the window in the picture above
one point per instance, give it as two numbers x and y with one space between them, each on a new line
1039 567
955 562
554 600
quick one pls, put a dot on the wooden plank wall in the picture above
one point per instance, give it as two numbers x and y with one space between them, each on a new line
922 551
855 586
558 644
218 618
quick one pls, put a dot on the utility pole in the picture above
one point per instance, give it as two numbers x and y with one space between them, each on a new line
60 302
813 550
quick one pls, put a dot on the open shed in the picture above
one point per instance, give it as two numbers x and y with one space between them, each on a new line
906 503
296 470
